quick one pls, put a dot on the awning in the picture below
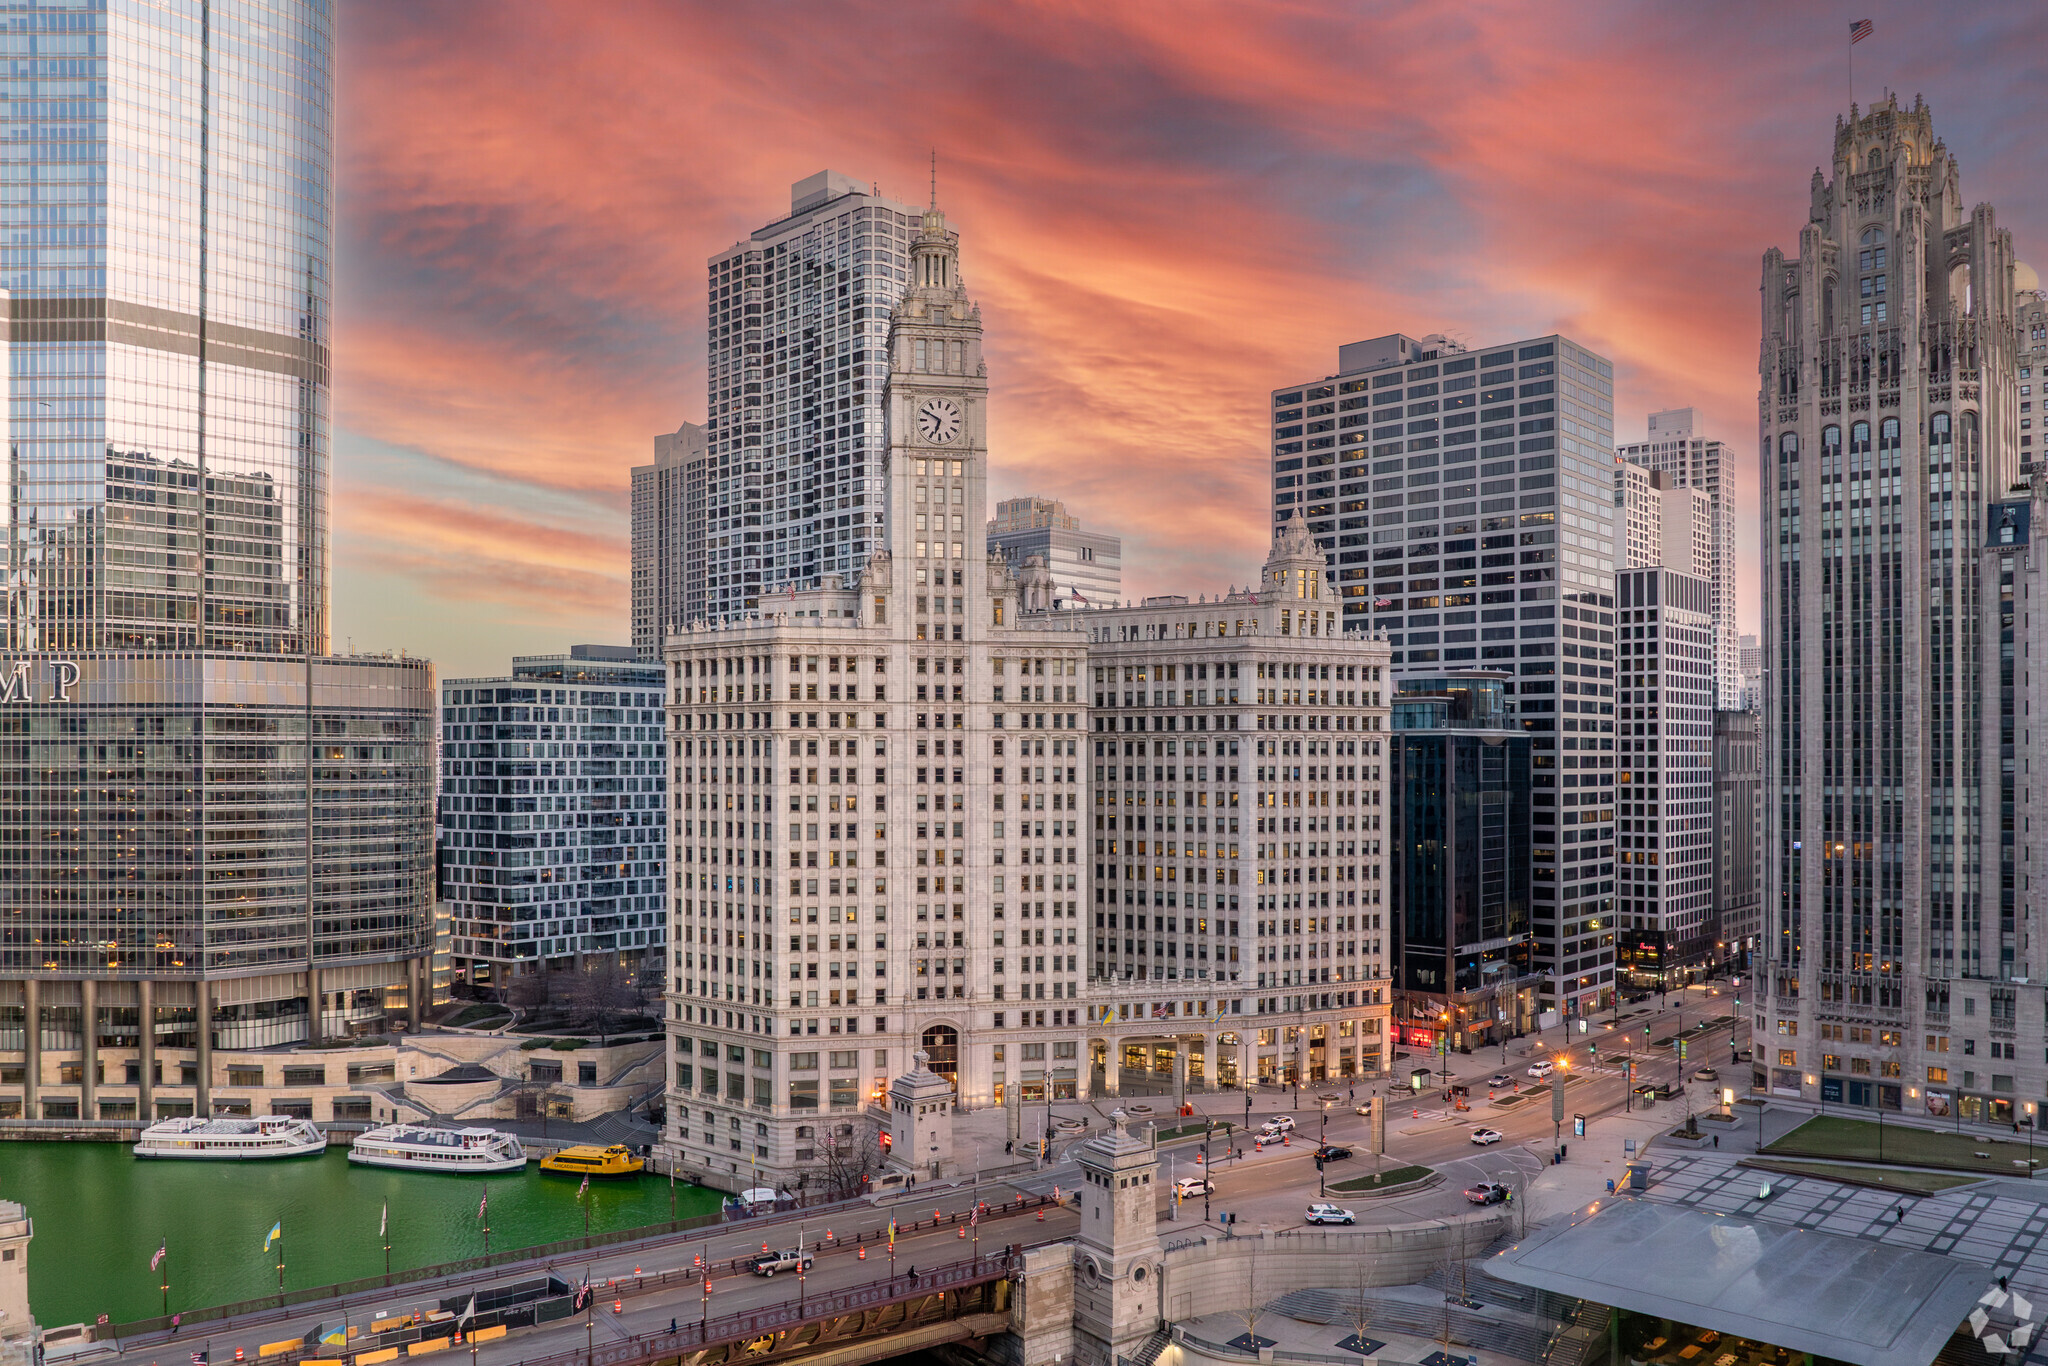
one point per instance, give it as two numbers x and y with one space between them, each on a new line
1852 1299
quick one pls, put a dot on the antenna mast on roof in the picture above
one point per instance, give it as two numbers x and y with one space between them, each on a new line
935 177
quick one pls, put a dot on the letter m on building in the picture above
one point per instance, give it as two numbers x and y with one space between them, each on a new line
14 685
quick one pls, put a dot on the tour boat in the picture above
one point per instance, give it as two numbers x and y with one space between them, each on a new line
232 1139
416 1148
590 1160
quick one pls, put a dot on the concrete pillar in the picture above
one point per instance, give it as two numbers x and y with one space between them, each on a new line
145 1039
31 1046
1209 1072
1113 1061
422 985
89 1051
1301 1054
202 1097
316 1024
1180 1067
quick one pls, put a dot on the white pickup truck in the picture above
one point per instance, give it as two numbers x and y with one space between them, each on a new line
789 1259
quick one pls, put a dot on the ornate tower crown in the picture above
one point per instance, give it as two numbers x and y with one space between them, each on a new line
1295 567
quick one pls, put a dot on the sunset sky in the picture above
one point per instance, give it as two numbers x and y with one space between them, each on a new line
1165 210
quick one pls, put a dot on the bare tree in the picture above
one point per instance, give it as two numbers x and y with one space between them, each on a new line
1252 1311
1361 1314
599 997
531 991
848 1154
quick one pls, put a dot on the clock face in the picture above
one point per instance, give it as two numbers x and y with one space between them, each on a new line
938 420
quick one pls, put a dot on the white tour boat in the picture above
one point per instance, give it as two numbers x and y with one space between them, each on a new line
416 1148
231 1139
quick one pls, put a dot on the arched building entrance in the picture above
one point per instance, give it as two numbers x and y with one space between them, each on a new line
941 1044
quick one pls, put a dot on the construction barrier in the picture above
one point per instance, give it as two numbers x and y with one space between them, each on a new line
420 1349
480 1335
372 1358
271 1349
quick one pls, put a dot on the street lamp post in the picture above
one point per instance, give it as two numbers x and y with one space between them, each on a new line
1322 1150
1208 1128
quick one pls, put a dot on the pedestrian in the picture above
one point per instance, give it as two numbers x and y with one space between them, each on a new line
1717 1141
671 1325
912 1273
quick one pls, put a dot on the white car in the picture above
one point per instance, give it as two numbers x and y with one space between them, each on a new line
1542 1068
1188 1187
1485 1136
1330 1214
1280 1124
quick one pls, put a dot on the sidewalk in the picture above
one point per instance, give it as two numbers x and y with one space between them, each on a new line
1591 1162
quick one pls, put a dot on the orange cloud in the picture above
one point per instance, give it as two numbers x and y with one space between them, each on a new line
1166 211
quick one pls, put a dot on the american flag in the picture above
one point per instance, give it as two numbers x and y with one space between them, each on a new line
199 1359
483 1206
583 1189
1859 29
158 1260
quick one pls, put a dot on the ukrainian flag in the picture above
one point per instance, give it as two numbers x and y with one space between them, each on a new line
332 1337
276 1234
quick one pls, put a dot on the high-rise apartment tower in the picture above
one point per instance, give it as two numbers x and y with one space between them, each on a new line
797 333
1697 462
670 508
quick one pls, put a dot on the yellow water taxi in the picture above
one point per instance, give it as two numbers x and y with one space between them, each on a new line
590 1160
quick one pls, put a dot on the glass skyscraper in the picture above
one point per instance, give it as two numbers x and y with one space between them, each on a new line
212 835
167 205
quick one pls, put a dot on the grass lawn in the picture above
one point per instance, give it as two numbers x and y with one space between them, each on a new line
1858 1140
1913 1183
1393 1176
475 1012
1224 1128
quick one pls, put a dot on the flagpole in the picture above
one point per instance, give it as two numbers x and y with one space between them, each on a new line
384 1233
280 1263
164 1260
483 1212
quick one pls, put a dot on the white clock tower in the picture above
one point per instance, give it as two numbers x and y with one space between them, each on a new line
937 409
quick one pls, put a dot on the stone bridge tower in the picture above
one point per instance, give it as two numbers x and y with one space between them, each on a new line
1117 1255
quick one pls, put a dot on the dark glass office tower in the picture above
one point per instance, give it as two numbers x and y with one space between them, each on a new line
1465 960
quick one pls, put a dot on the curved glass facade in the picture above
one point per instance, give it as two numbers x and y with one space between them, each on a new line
166 208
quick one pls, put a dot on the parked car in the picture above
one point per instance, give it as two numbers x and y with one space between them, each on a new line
1330 1214
1485 1136
1500 1079
1487 1193
1331 1152
789 1259
1188 1187
1542 1067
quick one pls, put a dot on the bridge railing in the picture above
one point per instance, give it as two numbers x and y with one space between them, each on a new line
273 1307
753 1323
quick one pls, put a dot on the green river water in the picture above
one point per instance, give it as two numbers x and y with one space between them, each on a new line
100 1214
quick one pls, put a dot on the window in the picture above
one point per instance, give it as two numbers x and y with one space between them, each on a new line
1937 1074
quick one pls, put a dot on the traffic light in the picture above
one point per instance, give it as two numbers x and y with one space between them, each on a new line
1593 1051
888 1142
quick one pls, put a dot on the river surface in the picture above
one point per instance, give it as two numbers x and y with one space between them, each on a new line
100 1213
